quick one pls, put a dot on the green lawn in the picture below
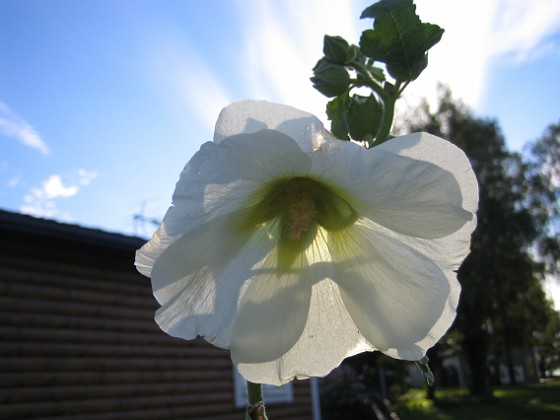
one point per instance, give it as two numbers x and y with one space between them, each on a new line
535 401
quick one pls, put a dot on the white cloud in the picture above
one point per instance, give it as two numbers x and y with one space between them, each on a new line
42 202
283 40
189 80
460 60
39 208
12 125
85 177
13 182
479 34
53 188
522 28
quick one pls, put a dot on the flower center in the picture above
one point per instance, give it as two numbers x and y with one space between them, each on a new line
299 206
300 214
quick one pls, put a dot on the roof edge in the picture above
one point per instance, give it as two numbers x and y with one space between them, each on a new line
25 224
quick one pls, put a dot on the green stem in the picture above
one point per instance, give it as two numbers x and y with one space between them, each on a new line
254 393
389 101
372 83
255 409
388 113
386 121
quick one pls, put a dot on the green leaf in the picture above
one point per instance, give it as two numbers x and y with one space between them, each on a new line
330 79
363 117
377 73
398 38
336 112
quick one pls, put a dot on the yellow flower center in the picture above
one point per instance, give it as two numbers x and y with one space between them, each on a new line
298 206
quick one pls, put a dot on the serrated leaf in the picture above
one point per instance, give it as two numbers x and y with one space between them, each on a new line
363 117
336 112
398 38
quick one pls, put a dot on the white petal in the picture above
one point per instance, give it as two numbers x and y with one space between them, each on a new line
272 312
329 335
220 179
251 116
198 279
449 252
407 195
401 300
440 152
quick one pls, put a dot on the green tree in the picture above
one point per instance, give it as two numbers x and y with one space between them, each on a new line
502 301
544 199
548 344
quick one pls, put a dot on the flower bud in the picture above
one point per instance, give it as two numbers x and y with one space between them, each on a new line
330 79
337 50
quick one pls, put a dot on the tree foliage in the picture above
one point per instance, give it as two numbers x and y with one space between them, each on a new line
544 200
502 301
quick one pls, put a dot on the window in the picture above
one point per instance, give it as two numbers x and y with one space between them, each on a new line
271 394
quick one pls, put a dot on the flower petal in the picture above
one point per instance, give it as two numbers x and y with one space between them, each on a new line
329 335
250 116
220 179
407 195
386 281
442 153
450 251
401 300
198 279
272 312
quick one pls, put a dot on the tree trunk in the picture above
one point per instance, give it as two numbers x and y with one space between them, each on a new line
476 350
509 361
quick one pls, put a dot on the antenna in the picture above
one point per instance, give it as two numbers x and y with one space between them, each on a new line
140 221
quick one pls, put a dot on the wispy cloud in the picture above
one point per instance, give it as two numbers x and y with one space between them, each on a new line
187 79
42 201
479 34
522 28
283 40
13 182
84 177
461 59
12 125
282 43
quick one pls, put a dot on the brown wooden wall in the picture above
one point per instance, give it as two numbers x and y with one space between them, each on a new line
78 338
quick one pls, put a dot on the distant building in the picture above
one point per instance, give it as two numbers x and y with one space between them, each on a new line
78 338
455 374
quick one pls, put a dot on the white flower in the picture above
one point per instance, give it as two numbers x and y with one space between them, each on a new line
296 250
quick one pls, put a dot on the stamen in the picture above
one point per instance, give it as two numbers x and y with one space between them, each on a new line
300 207
300 214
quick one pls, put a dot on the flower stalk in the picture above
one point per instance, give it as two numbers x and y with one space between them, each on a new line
398 45
255 408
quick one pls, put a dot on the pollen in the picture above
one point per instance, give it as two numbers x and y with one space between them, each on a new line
294 210
300 214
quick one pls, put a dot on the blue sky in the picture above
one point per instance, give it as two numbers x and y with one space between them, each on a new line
102 102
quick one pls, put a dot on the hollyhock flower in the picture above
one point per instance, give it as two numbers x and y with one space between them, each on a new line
296 250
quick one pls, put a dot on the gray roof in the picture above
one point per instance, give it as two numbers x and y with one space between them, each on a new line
28 225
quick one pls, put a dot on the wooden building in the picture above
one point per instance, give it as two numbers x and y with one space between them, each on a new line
78 338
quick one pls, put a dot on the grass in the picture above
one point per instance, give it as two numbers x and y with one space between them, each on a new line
531 401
